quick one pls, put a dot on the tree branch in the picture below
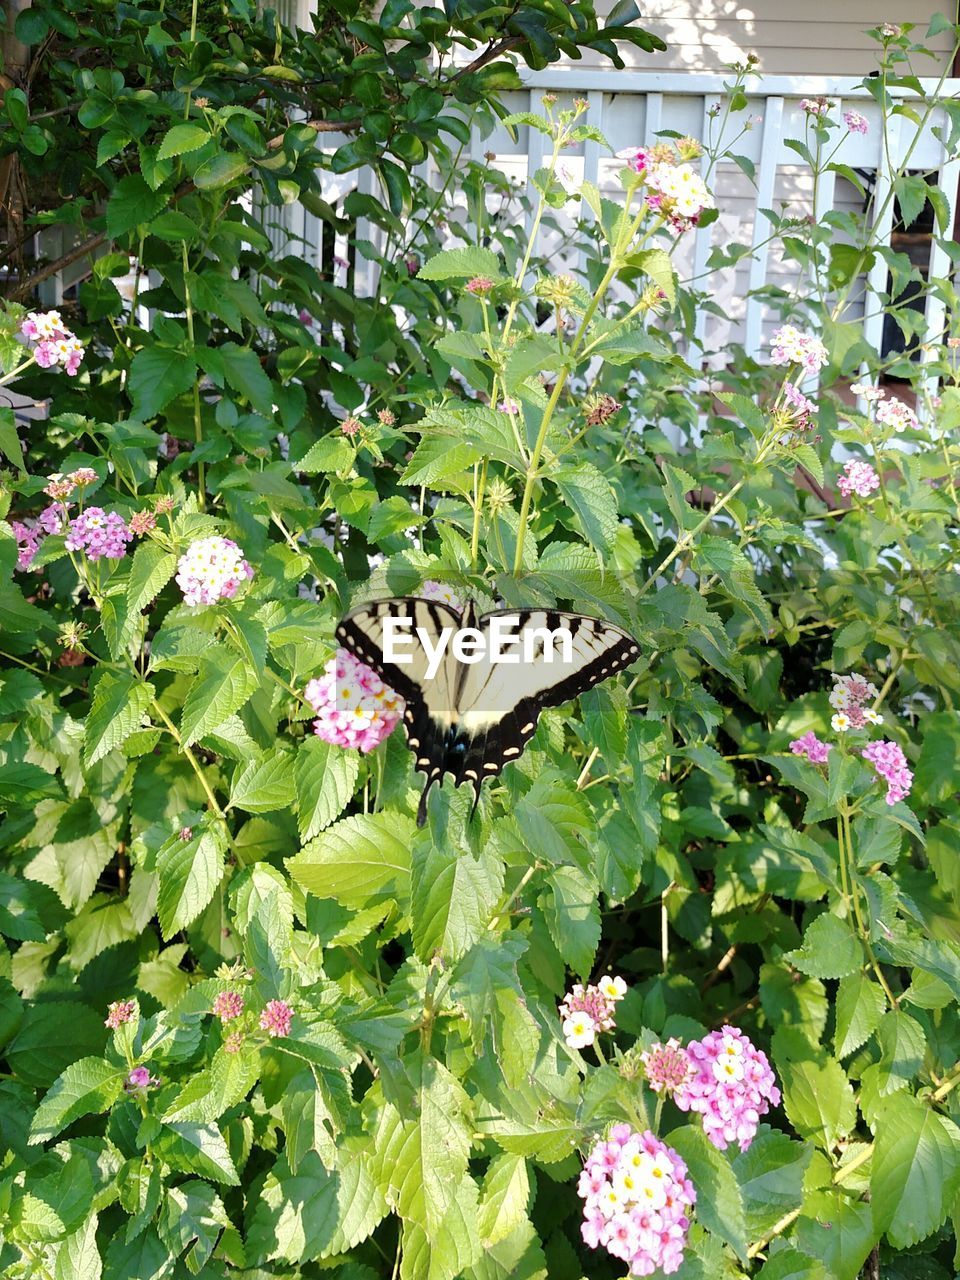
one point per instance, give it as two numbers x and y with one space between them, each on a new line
79 251
491 53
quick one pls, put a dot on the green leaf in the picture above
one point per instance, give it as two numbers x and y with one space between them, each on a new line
331 454
504 1198
223 684
150 571
265 785
719 1201
357 859
212 1091
421 1153
40 1051
605 716
770 1173
453 895
316 1212
243 372
197 1148
860 1005
10 445
189 872
817 1095
181 139
220 170
587 493
573 917
487 986
131 204
192 1219
140 1258
157 376
119 704
78 1257
437 460
902 1050
459 263
915 1170
843 1245
85 1088
325 777
659 267
830 949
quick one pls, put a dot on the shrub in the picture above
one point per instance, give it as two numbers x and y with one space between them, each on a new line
683 991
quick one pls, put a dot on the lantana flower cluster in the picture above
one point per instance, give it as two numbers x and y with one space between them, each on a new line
891 764
730 1087
53 518
849 698
674 189
99 534
859 478
586 1011
354 708
212 569
637 1201
811 748
54 343
791 345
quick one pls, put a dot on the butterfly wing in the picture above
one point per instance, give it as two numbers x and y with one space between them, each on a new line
428 715
498 704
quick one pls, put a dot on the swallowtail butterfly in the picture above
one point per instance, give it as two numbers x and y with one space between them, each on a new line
472 718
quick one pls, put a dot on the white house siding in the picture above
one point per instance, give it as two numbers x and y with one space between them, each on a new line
819 37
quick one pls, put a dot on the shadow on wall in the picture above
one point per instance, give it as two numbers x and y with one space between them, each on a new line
819 37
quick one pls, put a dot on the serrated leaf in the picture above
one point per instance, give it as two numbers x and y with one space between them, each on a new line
504 1198
189 872
197 1148
452 264
224 683
85 1088
860 1005
843 1245
915 1170
817 1095
316 1212
119 704
212 1091
78 1257
131 204
573 917
770 1173
265 785
357 859
150 571
902 1050
452 896
191 1221
157 376
325 777
830 949
587 492
719 1200
659 267
332 453
182 139
421 1153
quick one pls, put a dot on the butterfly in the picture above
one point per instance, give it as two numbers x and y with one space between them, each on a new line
468 713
